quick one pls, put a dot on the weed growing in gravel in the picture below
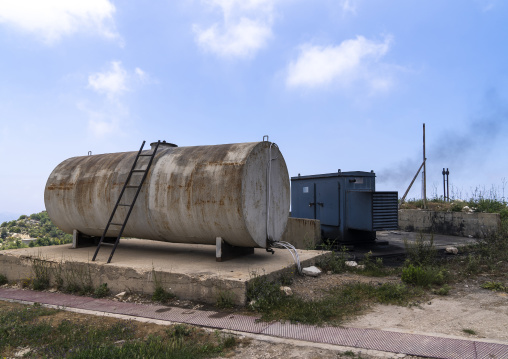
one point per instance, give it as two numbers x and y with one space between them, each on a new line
225 299
339 303
41 269
179 330
444 290
160 294
469 331
75 278
423 276
495 286
373 267
101 291
335 261
350 355
421 252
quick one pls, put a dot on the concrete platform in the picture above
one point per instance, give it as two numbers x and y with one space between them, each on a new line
190 271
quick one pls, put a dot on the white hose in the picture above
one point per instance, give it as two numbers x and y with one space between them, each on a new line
292 250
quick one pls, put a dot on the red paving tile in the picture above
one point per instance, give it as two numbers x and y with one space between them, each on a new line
412 344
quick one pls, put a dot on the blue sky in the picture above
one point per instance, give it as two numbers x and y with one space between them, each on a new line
336 84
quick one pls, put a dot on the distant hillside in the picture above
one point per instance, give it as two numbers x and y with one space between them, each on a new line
35 230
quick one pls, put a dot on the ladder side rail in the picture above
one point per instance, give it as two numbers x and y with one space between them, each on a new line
133 201
117 202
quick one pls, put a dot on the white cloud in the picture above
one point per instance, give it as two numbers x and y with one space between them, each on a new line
52 19
112 82
245 28
318 66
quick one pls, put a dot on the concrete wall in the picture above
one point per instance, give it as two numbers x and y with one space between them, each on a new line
303 233
478 225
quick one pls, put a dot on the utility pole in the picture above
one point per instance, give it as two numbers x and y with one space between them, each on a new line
424 172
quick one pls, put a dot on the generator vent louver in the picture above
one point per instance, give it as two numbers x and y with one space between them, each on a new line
385 212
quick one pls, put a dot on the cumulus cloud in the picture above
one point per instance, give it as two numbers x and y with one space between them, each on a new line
245 28
53 19
352 60
115 81
112 83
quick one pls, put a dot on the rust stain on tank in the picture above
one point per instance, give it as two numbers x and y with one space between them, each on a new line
60 187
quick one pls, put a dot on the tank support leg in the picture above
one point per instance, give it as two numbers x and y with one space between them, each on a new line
225 251
75 238
81 240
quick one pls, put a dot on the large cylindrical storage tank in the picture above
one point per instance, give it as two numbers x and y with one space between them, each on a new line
191 194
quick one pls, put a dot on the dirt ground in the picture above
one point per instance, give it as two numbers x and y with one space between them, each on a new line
468 306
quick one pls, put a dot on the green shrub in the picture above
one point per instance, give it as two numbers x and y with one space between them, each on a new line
473 264
423 277
264 294
444 290
179 331
101 291
15 229
457 206
421 252
335 261
3 279
161 295
495 286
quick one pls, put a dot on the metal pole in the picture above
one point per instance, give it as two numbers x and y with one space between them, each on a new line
444 185
424 173
413 181
447 185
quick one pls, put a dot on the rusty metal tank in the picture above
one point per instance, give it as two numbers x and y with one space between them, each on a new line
239 192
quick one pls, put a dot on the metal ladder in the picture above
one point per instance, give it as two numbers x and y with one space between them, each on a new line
131 205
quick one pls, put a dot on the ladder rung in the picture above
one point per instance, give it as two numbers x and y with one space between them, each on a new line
152 156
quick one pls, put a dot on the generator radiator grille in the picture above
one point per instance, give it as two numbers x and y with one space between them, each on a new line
385 214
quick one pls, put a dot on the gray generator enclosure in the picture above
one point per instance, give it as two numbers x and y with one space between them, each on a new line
346 204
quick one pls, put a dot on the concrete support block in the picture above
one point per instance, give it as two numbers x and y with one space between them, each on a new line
303 233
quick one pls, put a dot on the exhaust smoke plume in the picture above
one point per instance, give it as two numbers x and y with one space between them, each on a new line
463 149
